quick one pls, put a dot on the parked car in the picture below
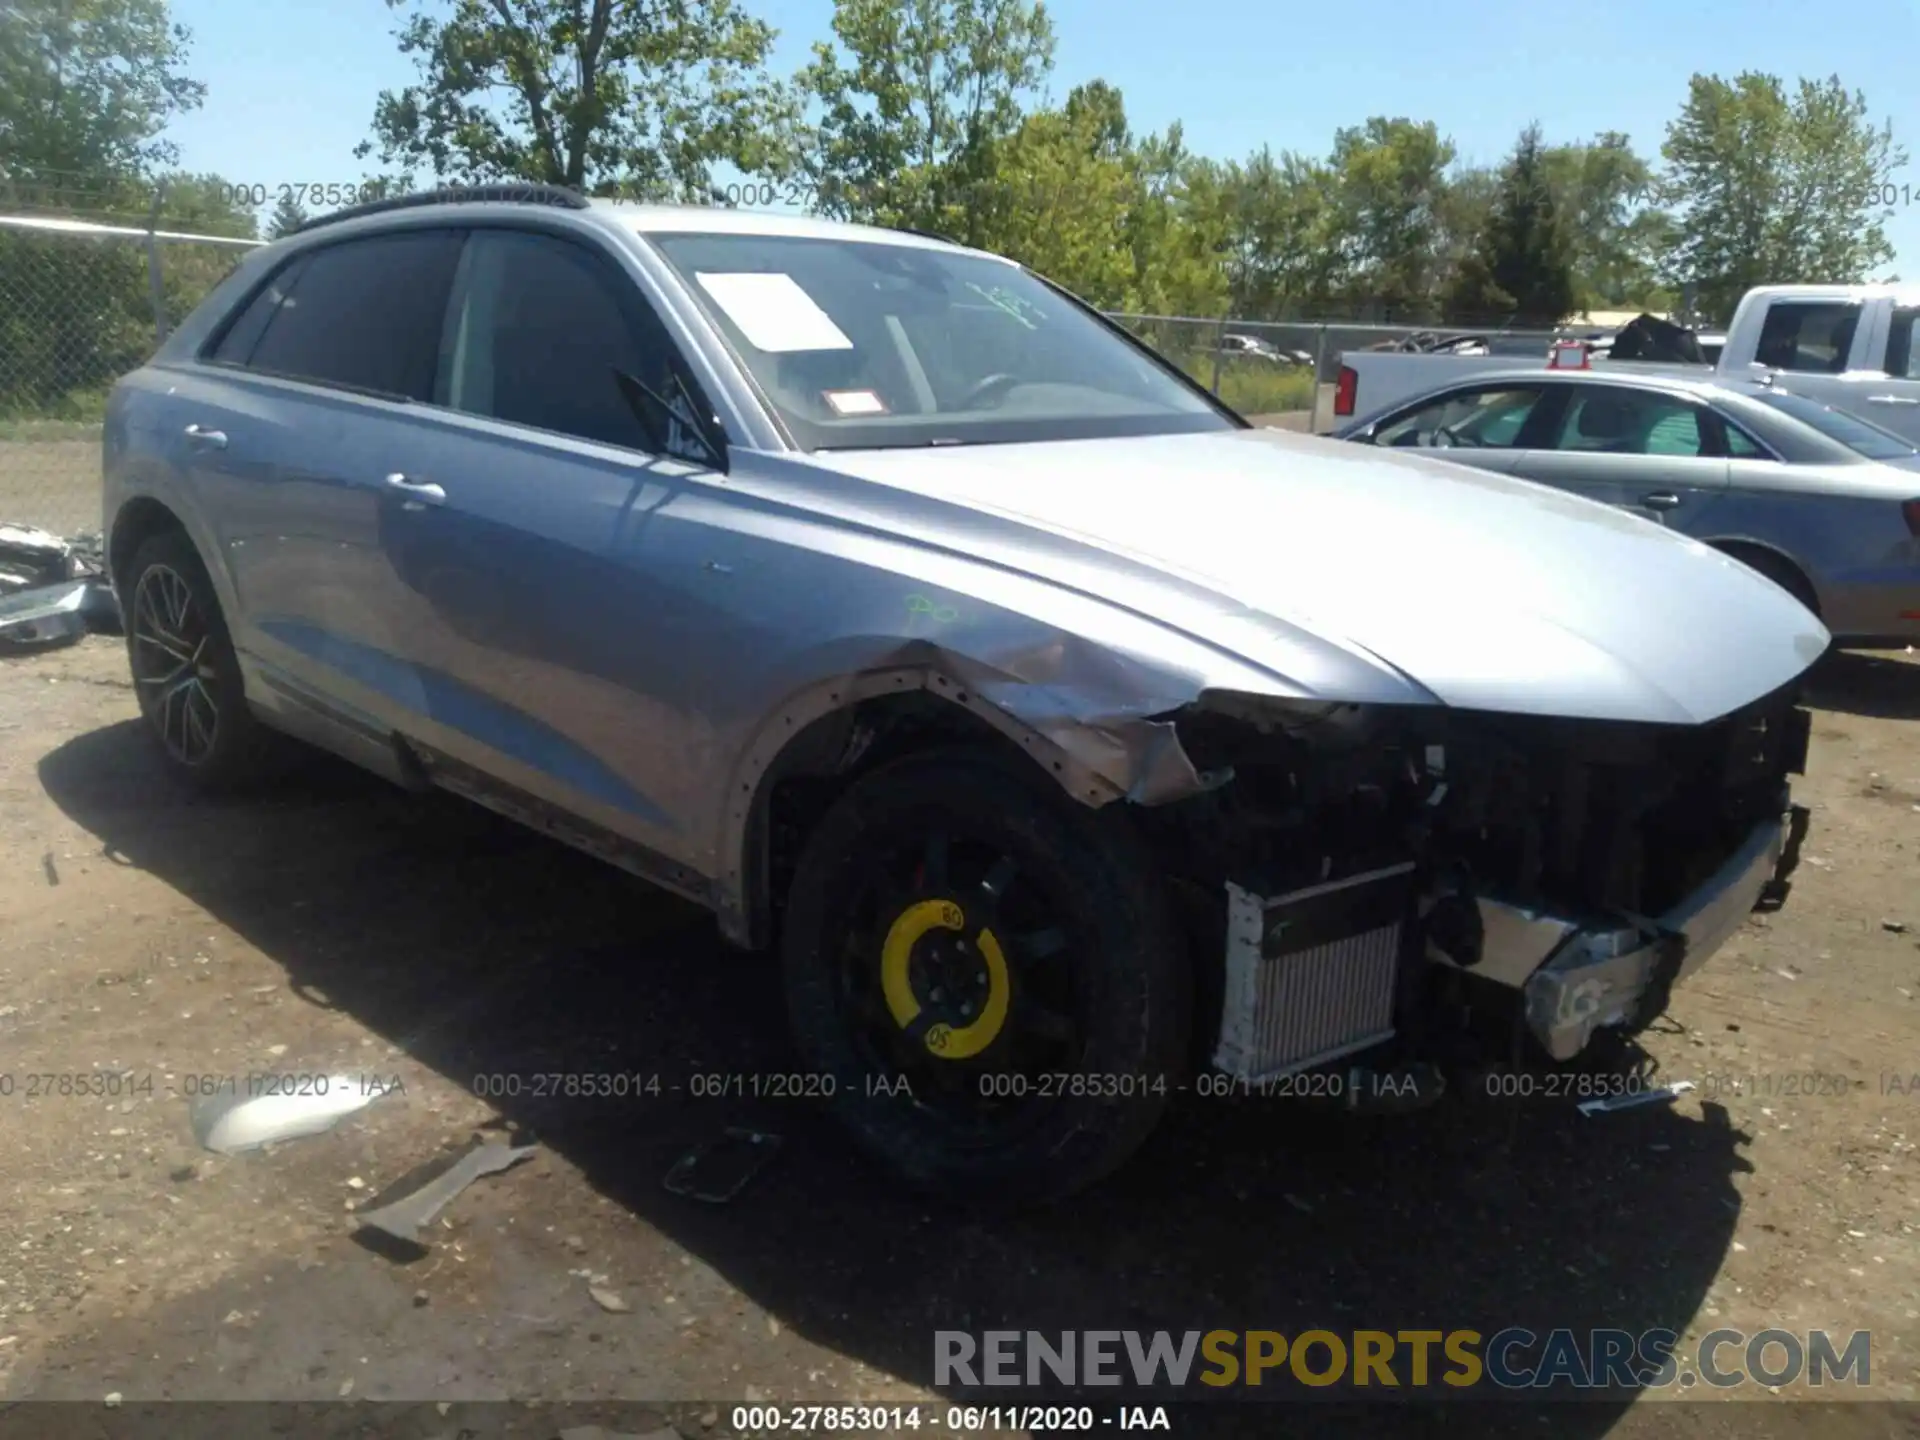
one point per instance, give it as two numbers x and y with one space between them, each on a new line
1849 346
1058 727
1819 501
1252 347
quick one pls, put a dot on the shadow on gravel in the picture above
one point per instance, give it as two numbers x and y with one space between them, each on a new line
1881 686
485 950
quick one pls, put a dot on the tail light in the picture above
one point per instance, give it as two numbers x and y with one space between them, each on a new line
1912 511
1347 383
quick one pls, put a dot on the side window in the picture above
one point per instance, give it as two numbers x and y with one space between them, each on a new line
1476 419
540 332
1742 446
365 315
1902 363
243 332
1610 420
1812 336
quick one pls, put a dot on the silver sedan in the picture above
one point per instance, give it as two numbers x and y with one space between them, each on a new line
1821 502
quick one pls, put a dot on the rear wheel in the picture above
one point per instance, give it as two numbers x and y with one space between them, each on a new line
184 670
989 974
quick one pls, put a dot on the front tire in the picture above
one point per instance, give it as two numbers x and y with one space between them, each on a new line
991 976
185 672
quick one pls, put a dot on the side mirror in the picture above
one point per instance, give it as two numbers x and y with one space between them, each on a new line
672 424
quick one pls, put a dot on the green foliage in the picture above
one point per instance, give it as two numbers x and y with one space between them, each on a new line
913 101
632 97
1174 230
1603 191
1520 267
1768 186
1063 186
86 90
1389 193
288 216
87 87
933 115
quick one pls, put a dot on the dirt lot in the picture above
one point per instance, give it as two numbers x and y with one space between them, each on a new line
53 483
335 925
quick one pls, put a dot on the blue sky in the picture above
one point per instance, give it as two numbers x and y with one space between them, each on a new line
291 83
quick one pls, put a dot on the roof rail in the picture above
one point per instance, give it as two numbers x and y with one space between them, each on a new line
926 235
514 192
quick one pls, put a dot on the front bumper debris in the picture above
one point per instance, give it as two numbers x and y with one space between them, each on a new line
1595 977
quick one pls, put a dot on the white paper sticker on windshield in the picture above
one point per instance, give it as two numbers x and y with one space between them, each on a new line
855 402
773 312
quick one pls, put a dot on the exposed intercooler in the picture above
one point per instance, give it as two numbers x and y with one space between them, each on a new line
1311 974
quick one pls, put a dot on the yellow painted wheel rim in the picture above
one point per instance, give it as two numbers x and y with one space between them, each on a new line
896 953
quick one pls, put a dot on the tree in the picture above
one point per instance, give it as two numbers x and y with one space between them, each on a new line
87 88
912 99
1062 190
1175 229
1604 191
1388 181
1772 187
288 216
633 97
1520 266
1280 216
1461 212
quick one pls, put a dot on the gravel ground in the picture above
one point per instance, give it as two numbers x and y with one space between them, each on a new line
54 484
334 925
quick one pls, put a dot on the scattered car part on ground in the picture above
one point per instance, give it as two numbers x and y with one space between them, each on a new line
52 591
242 1115
716 1171
1631 1099
31 557
922 624
45 616
412 1203
1821 502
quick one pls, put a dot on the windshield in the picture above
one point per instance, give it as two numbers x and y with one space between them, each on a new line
1856 434
866 345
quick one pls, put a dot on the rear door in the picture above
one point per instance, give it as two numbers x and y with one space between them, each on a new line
1658 454
316 379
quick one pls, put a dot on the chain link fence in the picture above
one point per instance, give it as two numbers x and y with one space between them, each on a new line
1282 373
83 301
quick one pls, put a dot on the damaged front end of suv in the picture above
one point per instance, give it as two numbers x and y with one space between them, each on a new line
1423 873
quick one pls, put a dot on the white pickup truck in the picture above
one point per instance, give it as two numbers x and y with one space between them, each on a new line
1849 346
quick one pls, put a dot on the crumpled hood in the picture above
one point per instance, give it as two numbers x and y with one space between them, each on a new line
1490 593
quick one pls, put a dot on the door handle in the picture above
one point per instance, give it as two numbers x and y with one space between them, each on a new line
212 439
1663 500
419 493
1891 400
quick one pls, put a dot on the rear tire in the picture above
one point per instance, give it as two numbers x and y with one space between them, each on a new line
185 673
991 977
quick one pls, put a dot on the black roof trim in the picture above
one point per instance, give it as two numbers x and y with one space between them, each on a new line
509 192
